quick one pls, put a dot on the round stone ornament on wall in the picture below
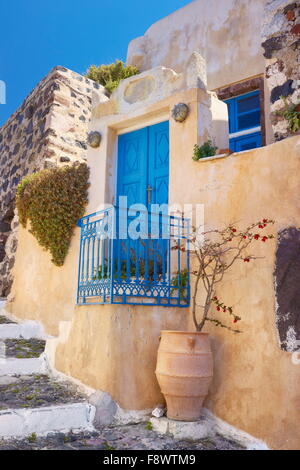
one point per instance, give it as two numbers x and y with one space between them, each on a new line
180 112
94 139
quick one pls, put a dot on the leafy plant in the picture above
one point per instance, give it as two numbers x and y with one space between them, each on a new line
53 200
205 150
213 258
32 438
122 270
110 75
180 282
291 112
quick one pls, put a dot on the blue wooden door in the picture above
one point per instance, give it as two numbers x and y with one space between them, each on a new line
143 165
132 166
143 176
158 194
158 155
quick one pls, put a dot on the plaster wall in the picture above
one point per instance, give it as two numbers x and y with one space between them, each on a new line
227 33
113 348
256 384
99 340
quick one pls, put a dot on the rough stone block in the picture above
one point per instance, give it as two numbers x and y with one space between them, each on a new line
105 408
287 281
182 429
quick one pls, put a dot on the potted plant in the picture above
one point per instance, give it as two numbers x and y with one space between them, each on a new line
184 365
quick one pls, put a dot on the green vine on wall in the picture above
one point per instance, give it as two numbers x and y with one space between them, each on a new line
53 200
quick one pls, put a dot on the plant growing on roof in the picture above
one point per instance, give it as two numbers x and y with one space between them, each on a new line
110 75
53 200
214 256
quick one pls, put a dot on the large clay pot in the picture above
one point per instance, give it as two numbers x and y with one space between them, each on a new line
184 372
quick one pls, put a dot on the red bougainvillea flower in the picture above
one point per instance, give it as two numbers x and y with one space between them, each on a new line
233 229
215 298
256 236
224 309
246 260
218 308
235 320
265 221
260 226
244 236
264 239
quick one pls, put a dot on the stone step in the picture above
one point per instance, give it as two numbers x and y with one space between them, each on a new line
15 366
26 330
4 319
207 427
38 404
18 423
123 438
22 348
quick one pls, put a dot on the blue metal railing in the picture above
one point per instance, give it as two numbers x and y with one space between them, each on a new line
151 268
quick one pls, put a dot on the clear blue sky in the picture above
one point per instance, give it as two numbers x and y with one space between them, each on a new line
36 35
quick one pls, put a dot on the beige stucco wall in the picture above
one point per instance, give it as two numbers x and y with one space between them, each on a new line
227 33
256 386
113 348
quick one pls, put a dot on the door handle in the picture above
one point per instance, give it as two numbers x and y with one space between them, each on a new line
149 191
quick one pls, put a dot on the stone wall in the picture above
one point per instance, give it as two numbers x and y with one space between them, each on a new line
286 282
48 129
281 42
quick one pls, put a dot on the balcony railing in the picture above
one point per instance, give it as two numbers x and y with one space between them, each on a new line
118 267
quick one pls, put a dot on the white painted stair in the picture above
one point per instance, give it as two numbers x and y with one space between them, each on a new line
27 366
26 330
19 420
20 423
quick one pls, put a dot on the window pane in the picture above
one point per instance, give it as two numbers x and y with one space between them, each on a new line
249 120
248 146
247 104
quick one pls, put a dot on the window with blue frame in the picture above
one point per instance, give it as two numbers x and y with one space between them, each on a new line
244 122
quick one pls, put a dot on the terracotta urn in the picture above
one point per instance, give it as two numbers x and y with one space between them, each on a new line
184 372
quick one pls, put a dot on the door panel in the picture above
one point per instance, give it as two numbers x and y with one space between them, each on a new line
159 162
158 180
143 176
132 166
